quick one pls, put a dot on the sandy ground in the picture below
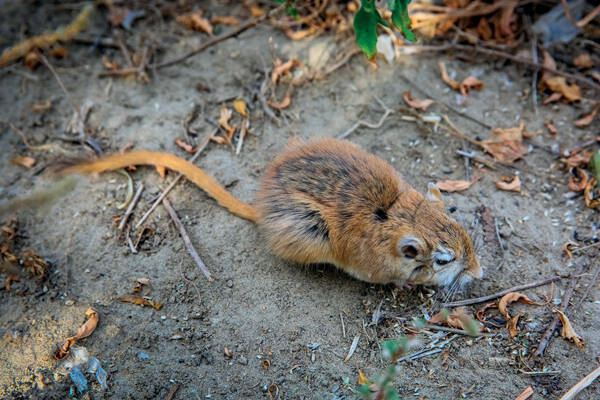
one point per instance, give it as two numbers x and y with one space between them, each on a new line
280 322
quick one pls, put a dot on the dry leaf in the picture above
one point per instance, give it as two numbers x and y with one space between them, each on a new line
509 184
26 162
552 98
300 34
233 21
551 128
239 105
43 107
559 84
567 249
416 103
84 331
470 83
454 186
226 352
511 298
506 145
59 52
32 60
280 68
511 324
588 118
283 103
595 75
362 379
256 11
162 171
224 120
583 61
578 180
189 148
568 332
196 22
141 301
109 65
9 280
578 159
449 81
591 201
480 315
458 318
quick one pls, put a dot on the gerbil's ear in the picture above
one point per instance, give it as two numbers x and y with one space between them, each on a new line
433 194
409 246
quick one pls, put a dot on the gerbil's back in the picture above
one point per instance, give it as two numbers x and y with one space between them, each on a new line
312 191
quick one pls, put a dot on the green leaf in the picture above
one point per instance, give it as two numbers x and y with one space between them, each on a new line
595 161
365 27
400 18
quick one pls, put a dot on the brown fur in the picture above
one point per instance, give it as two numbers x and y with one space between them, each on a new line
327 201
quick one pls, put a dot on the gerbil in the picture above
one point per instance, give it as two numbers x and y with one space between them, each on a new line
327 201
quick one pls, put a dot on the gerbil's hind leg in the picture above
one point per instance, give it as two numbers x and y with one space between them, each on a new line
297 232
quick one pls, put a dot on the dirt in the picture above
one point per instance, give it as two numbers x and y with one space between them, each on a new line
280 323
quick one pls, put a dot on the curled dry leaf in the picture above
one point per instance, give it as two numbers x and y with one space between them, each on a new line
509 184
226 352
196 22
551 128
552 98
480 315
224 121
42 107
416 103
26 162
239 105
506 145
84 331
587 119
566 248
109 65
362 379
32 60
578 159
133 299
233 21
558 84
583 61
449 81
568 332
280 68
511 324
458 318
189 148
283 103
511 298
454 186
470 83
591 200
578 180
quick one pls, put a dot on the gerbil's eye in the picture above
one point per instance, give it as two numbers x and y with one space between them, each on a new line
444 259
410 251
442 262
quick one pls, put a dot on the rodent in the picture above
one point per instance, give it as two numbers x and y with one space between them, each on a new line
328 201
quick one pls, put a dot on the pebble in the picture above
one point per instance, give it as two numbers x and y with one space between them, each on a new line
243 360
229 283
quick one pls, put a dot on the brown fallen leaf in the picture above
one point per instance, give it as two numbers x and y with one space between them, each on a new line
591 201
187 147
458 318
595 75
587 119
362 379
566 248
551 128
511 298
454 186
568 332
480 314
9 280
578 180
32 60
449 81
470 83
42 107
224 120
509 184
26 162
283 103
239 105
583 61
571 92
162 171
281 68
416 103
506 145
511 324
578 159
59 52
109 65
232 21
300 34
226 352
133 299
196 21
84 331
552 98
256 11
140 283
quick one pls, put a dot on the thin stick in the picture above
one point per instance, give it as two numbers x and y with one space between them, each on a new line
488 163
563 306
172 184
186 239
172 392
453 330
525 394
343 327
502 293
367 124
60 83
216 40
582 384
138 193
27 144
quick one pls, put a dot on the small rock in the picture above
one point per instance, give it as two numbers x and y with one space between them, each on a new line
243 360
229 283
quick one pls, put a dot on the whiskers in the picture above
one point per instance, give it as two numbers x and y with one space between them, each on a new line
448 293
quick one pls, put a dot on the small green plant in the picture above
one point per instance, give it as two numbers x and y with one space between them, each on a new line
368 17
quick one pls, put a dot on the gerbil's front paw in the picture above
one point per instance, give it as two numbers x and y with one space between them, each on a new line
405 285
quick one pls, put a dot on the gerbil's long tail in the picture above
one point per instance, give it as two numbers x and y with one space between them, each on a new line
193 173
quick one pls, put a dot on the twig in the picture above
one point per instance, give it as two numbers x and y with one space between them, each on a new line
539 373
525 394
502 293
459 133
427 354
582 384
130 243
453 330
165 192
343 327
488 163
338 64
216 40
131 207
263 99
186 239
172 392
563 306
367 124
60 83
27 144
352 347
498 235
582 22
